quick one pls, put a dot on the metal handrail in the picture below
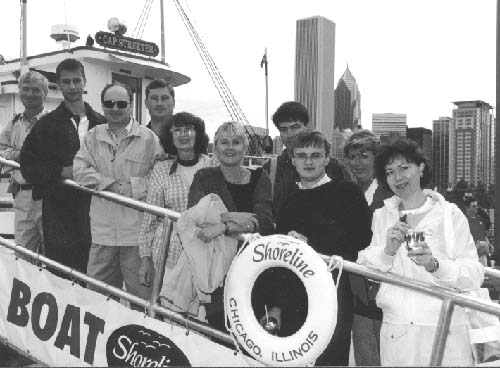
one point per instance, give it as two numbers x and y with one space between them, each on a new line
119 293
135 204
449 296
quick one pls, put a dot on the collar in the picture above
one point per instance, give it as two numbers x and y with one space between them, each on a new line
35 118
286 156
176 162
394 202
128 127
325 179
370 191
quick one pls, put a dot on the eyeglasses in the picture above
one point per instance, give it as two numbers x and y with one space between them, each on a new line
111 103
312 157
188 130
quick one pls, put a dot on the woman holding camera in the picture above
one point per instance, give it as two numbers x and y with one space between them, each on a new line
441 253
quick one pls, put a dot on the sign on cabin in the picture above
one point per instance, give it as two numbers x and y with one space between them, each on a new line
117 42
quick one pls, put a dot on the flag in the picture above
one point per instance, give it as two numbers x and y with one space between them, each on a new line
264 59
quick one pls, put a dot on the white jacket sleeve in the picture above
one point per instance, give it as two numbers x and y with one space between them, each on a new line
374 256
463 270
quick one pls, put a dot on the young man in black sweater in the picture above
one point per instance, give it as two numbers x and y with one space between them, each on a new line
333 217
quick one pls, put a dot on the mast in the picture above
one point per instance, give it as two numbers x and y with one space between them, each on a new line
162 33
24 37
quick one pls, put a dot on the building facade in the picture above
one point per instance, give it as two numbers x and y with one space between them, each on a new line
388 125
339 140
314 71
423 137
443 153
278 145
347 103
473 142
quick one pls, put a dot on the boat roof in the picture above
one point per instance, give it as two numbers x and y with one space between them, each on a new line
148 67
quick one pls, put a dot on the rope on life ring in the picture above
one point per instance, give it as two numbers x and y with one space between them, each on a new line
307 344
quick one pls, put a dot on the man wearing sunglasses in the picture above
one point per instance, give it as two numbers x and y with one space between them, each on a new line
47 157
116 157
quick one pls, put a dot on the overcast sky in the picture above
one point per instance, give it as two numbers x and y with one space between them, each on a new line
408 56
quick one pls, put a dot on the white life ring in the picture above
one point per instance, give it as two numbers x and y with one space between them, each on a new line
307 344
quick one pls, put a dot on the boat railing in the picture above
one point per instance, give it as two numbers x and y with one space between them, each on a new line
450 297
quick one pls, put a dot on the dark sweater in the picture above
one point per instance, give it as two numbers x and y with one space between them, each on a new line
285 184
334 217
211 180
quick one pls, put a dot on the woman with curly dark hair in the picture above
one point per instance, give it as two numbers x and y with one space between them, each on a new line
169 187
438 249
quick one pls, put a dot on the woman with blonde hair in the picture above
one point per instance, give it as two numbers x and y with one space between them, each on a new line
245 192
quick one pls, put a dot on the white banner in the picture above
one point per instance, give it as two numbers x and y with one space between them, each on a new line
63 324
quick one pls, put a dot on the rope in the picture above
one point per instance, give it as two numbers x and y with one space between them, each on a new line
336 262
141 22
220 84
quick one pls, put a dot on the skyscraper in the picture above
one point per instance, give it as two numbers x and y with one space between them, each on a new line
473 126
423 137
347 102
443 153
389 125
278 145
314 71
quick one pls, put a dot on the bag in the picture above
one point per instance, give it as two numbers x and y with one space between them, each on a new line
484 333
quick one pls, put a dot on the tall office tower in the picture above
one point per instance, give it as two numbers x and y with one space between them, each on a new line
278 145
423 137
387 126
443 153
493 134
314 67
473 120
347 103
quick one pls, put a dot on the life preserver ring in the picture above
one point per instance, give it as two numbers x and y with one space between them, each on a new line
311 339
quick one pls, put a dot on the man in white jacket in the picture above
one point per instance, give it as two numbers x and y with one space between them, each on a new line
116 157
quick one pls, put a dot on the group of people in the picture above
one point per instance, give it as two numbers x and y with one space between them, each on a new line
363 211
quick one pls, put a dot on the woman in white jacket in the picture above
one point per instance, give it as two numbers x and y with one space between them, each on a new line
447 256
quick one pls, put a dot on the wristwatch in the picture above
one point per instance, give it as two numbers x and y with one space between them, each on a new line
435 266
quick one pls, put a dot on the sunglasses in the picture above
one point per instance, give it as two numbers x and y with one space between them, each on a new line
110 104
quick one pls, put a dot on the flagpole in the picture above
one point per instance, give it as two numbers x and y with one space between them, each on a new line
264 62
162 32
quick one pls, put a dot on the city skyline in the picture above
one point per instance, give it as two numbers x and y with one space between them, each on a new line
408 57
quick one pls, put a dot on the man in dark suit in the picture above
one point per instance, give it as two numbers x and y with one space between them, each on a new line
47 158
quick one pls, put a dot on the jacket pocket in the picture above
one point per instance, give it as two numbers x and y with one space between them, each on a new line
136 164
